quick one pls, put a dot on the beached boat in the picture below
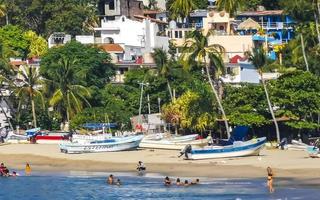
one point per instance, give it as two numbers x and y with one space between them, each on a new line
108 145
52 138
297 146
13 138
237 149
173 143
161 136
313 151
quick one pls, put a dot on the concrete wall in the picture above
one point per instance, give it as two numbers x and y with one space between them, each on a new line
85 39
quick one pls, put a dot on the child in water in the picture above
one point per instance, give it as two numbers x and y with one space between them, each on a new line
270 180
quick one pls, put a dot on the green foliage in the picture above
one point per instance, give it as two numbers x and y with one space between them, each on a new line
14 42
246 105
298 96
38 46
44 17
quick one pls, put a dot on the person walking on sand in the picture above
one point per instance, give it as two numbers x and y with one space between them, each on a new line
28 169
270 179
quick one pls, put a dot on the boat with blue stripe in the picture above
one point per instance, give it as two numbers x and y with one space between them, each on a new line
237 149
107 145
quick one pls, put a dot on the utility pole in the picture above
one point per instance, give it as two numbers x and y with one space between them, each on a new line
142 84
149 108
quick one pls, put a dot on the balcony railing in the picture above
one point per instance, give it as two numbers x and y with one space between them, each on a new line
275 25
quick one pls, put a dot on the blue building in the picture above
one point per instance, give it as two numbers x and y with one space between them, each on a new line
273 22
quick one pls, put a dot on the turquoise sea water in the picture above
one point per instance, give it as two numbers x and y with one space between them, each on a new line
43 186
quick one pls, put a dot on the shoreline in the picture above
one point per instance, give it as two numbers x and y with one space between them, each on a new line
47 158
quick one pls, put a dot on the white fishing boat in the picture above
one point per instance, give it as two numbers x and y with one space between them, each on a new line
237 149
167 136
108 145
173 143
297 146
13 138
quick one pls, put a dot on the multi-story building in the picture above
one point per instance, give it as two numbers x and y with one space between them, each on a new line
273 22
113 9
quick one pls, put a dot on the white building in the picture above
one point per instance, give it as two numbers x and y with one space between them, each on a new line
4 111
137 37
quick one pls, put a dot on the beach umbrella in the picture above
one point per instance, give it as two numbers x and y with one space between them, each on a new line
249 24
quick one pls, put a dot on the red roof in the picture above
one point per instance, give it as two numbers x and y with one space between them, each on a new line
235 59
112 48
261 13
18 62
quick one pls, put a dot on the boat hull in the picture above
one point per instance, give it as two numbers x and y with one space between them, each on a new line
126 144
169 145
212 152
313 152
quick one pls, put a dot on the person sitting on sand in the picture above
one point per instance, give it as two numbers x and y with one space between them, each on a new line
28 169
178 182
4 171
195 182
186 183
270 180
118 183
167 181
110 180
141 166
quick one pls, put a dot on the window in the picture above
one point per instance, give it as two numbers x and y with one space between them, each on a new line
169 34
180 34
176 34
111 5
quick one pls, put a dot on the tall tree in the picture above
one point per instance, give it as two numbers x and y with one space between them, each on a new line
197 49
161 59
68 95
181 8
259 60
230 6
29 87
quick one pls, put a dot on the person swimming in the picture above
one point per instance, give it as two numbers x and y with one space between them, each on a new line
195 182
4 171
110 180
28 169
118 183
186 183
167 181
178 182
270 179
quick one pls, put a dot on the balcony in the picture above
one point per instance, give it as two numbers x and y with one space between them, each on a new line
276 25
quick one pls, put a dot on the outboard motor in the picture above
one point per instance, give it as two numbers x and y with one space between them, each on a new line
283 143
187 149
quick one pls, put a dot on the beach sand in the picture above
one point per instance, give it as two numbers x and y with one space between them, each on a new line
286 164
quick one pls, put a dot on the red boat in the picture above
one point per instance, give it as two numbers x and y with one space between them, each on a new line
52 138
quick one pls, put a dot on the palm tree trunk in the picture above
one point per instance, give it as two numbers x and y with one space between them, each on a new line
317 26
270 108
218 99
170 91
304 52
33 113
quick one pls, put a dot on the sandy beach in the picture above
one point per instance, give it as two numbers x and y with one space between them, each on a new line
286 164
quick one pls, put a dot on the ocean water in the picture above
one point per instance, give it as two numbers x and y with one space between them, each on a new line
49 186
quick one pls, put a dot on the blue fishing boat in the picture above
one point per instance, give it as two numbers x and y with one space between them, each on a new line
237 149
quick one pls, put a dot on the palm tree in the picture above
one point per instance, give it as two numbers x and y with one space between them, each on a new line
67 95
197 49
3 12
181 8
230 6
259 60
161 59
29 87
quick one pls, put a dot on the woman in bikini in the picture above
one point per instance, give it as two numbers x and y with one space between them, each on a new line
270 179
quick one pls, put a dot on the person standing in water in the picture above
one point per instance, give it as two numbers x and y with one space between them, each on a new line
110 180
270 179
28 169
167 181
